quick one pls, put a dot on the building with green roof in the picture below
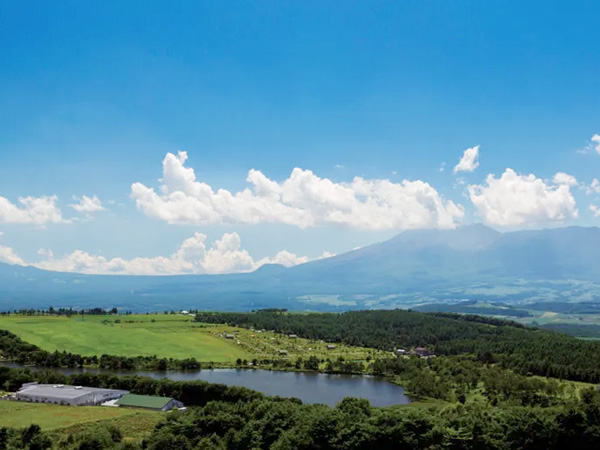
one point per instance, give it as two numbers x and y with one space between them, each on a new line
148 402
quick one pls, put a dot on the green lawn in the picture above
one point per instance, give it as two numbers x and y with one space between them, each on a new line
173 336
52 417
166 335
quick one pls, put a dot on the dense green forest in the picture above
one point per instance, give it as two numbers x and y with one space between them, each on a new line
522 349
353 424
478 393
238 418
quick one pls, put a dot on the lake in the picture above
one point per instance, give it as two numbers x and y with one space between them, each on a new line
310 387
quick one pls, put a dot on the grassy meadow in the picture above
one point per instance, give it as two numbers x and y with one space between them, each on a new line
133 427
53 417
165 335
171 336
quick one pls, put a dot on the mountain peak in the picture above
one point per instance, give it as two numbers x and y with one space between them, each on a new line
467 237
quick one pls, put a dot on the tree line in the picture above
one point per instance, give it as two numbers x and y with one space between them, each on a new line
514 346
51 311
275 424
191 393
353 424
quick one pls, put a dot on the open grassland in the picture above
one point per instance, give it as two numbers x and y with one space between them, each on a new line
133 427
53 417
167 336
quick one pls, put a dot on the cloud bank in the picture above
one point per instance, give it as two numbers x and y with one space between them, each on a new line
303 200
517 200
194 256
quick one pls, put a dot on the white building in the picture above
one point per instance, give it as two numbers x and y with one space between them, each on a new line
61 394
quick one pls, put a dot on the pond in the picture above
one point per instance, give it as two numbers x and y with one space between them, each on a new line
310 387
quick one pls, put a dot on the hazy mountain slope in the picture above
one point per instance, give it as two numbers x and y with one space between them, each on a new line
414 266
473 253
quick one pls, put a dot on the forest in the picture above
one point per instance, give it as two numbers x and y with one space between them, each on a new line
522 349
353 424
238 418
483 390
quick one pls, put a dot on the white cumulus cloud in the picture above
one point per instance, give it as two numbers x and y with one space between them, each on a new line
514 200
8 255
194 256
595 210
592 145
468 162
285 258
596 142
565 178
593 188
31 210
303 200
87 204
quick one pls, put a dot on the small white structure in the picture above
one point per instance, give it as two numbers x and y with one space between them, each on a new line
292 336
61 394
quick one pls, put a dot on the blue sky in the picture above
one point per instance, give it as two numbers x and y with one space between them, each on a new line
94 96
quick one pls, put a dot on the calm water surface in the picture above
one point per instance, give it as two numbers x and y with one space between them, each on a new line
310 387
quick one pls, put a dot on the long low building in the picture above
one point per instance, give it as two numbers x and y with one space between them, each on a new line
148 402
61 394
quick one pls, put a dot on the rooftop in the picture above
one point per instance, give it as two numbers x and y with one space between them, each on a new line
143 401
61 391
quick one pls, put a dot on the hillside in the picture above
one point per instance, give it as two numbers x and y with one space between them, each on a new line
522 349
413 268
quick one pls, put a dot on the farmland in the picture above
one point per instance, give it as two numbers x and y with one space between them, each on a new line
166 336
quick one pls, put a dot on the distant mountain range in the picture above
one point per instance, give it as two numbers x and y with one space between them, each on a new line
413 268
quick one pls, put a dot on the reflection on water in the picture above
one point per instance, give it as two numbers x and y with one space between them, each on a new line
310 387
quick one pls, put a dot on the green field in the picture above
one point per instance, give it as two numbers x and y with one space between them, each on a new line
165 335
172 336
53 417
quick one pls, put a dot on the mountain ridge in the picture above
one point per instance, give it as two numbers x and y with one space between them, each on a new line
425 265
